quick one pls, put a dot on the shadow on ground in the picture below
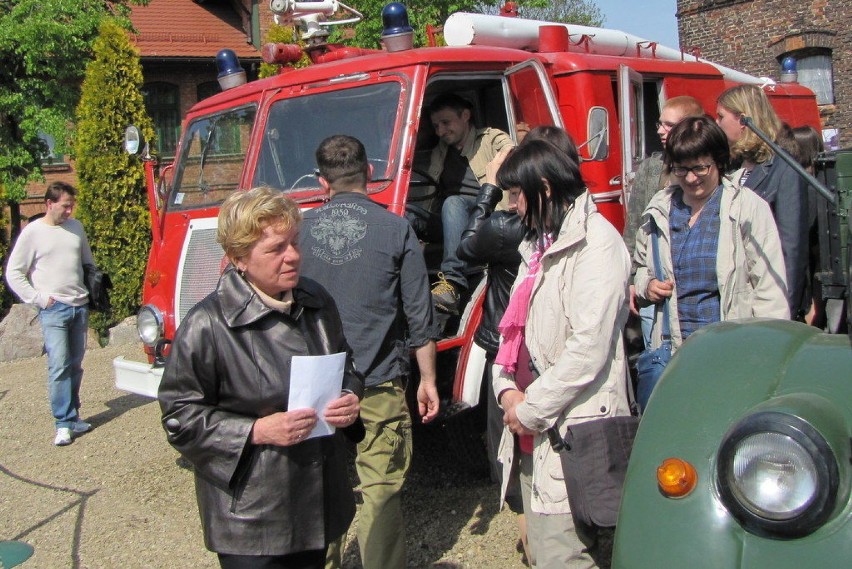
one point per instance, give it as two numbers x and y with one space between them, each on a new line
117 407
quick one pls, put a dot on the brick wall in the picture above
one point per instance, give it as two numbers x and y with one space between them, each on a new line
750 35
34 203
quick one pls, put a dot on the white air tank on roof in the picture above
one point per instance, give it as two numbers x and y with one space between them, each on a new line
463 28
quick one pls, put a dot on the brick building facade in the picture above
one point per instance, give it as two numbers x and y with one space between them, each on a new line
755 36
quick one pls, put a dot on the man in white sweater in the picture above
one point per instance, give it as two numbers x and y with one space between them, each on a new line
46 269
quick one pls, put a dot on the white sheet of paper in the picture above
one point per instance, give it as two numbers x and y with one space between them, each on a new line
315 381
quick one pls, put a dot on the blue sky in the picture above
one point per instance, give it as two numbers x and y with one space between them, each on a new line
649 19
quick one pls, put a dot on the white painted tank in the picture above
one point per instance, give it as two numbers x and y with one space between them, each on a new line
464 28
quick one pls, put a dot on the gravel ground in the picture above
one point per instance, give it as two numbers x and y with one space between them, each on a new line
118 497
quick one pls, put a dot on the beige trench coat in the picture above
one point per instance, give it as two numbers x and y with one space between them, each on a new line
749 263
574 329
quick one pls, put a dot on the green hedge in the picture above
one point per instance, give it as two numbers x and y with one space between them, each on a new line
113 203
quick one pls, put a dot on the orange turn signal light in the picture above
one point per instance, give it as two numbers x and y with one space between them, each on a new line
676 478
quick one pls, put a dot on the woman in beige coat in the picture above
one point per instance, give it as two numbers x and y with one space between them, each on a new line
565 317
719 246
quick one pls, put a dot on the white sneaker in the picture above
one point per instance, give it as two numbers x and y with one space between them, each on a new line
63 437
80 426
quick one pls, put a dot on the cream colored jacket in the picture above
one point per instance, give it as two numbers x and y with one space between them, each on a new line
574 329
749 263
480 147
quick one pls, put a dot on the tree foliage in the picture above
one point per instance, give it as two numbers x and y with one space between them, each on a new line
44 47
282 34
582 12
422 13
113 200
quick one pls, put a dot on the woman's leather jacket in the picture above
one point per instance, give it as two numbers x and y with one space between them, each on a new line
228 366
492 237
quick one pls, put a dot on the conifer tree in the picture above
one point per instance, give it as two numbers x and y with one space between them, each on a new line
113 204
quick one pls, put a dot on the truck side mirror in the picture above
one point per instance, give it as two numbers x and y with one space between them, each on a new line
598 130
132 140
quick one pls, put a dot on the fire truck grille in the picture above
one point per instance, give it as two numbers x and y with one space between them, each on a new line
202 265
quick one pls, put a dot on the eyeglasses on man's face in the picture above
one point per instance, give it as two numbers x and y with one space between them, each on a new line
665 125
699 170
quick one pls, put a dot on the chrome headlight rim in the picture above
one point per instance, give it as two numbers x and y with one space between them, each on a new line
149 315
820 506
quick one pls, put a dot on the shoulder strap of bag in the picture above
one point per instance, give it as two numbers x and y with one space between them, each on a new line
658 273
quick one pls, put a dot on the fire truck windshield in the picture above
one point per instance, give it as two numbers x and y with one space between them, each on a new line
213 152
296 126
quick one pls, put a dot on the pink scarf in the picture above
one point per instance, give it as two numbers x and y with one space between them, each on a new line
515 318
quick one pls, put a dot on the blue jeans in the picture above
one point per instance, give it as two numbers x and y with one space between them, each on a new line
646 314
455 213
64 329
454 217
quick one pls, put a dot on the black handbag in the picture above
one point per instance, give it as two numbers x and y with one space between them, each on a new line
652 362
97 284
594 459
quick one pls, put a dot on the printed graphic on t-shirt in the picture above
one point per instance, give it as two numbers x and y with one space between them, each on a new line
338 230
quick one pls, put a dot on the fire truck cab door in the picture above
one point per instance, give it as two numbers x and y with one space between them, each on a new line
530 98
631 123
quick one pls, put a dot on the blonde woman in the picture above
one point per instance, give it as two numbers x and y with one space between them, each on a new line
269 495
771 178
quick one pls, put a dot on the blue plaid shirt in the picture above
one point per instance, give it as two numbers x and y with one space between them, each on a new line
694 251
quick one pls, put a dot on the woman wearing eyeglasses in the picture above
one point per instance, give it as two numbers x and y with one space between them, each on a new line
720 253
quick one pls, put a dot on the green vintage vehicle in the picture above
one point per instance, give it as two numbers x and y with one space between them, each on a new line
744 457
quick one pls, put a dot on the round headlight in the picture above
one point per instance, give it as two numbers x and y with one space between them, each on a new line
149 324
777 475
774 475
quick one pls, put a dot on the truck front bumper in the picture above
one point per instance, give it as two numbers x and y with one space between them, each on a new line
137 377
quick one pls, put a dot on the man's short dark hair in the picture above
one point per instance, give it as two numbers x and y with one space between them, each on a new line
342 161
56 189
450 101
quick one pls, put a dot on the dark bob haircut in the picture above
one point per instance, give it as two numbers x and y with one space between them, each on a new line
525 168
694 137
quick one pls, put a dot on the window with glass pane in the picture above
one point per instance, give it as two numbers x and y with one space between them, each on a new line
296 126
162 101
207 89
51 157
815 73
212 159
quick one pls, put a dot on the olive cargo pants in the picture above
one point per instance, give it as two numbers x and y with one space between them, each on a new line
382 463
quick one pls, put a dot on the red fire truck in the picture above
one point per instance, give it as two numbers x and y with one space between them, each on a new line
605 87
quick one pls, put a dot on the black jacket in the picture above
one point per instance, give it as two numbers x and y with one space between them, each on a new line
370 262
228 366
786 192
493 237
